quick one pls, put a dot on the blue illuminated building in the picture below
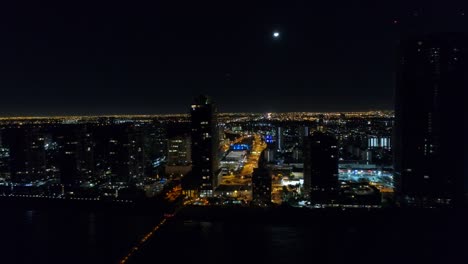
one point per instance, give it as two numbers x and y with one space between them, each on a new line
240 147
269 139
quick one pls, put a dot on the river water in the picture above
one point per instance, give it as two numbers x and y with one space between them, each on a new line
71 236
68 236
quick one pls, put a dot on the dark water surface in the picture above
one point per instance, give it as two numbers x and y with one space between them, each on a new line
68 236
71 236
401 238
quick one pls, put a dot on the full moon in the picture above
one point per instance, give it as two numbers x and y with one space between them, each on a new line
276 34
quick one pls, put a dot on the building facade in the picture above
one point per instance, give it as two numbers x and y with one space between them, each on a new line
430 115
26 153
205 145
75 154
320 166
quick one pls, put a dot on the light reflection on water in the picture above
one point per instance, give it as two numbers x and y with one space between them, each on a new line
29 217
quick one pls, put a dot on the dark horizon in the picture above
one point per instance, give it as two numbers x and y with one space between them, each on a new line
65 59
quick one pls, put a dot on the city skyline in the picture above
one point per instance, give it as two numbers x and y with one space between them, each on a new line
279 57
234 131
187 113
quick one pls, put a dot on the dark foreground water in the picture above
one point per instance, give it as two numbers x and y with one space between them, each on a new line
70 236
374 238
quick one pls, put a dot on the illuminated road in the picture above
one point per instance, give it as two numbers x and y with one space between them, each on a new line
258 145
170 196
243 177
174 193
141 243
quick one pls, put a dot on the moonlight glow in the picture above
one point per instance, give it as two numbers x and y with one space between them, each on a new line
276 34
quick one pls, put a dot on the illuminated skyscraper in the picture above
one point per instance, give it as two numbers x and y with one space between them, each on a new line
178 150
205 144
430 116
178 145
374 142
179 159
279 138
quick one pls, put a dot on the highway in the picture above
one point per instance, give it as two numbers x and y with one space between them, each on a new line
142 242
244 176
146 237
258 145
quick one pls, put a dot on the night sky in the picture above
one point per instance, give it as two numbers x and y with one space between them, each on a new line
78 57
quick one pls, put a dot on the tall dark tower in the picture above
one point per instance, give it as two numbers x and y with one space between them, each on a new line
205 144
321 166
261 184
120 149
75 154
429 126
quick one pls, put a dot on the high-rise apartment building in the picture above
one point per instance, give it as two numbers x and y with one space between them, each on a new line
205 145
430 125
320 166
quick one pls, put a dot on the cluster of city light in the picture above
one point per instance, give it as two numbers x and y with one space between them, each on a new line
238 172
222 117
62 197
38 120
311 116
344 206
